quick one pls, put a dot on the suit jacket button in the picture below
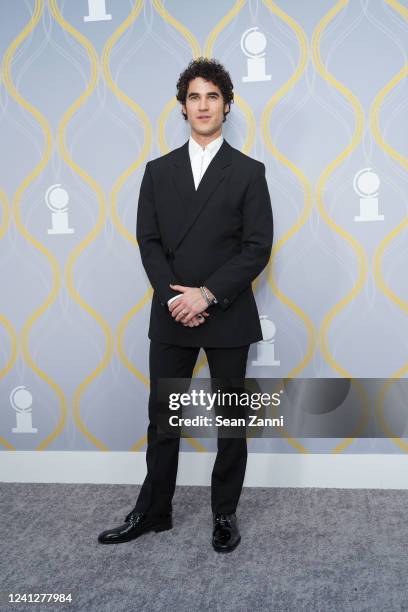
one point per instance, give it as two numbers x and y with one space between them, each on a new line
226 300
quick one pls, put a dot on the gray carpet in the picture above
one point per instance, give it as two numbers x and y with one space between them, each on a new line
302 549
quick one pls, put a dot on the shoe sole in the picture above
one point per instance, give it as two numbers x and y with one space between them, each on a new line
226 550
155 528
164 527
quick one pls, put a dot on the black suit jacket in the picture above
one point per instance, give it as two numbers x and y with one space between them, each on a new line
219 236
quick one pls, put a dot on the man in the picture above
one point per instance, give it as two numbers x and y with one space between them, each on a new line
204 228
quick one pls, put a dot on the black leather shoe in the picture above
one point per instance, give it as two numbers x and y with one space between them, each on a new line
226 536
136 524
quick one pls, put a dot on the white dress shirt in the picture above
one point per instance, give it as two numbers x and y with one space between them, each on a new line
200 158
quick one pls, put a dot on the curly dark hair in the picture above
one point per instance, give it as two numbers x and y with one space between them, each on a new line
210 70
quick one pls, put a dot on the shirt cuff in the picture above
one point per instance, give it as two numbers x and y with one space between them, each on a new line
173 298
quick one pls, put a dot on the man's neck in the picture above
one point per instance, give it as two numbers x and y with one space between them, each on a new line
204 140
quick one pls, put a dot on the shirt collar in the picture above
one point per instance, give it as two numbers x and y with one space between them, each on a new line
212 147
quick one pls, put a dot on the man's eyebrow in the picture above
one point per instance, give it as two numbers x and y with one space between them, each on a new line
209 93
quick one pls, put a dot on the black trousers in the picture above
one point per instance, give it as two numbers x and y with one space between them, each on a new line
170 361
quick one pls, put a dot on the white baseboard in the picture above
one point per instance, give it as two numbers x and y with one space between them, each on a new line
370 471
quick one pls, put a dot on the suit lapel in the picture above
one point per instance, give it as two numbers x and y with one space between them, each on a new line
183 176
193 201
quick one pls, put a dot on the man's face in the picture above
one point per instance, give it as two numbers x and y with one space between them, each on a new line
204 107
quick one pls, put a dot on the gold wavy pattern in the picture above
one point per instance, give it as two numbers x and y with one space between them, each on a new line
118 184
221 25
5 221
374 118
5 217
8 326
307 209
374 121
355 245
377 265
374 115
356 138
80 248
185 32
105 61
56 276
379 405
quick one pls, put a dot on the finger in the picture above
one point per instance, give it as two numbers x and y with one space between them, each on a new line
188 314
173 305
182 317
194 322
177 310
178 287
191 315
188 317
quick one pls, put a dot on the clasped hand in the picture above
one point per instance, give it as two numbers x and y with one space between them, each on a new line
187 307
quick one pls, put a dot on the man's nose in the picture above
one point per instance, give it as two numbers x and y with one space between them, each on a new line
203 105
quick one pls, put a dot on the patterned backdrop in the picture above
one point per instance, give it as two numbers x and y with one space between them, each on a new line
87 93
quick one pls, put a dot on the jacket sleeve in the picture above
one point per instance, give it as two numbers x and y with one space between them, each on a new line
237 273
151 249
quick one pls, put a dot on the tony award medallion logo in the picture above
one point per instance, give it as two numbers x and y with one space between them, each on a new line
366 184
97 11
57 200
253 45
266 346
21 400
